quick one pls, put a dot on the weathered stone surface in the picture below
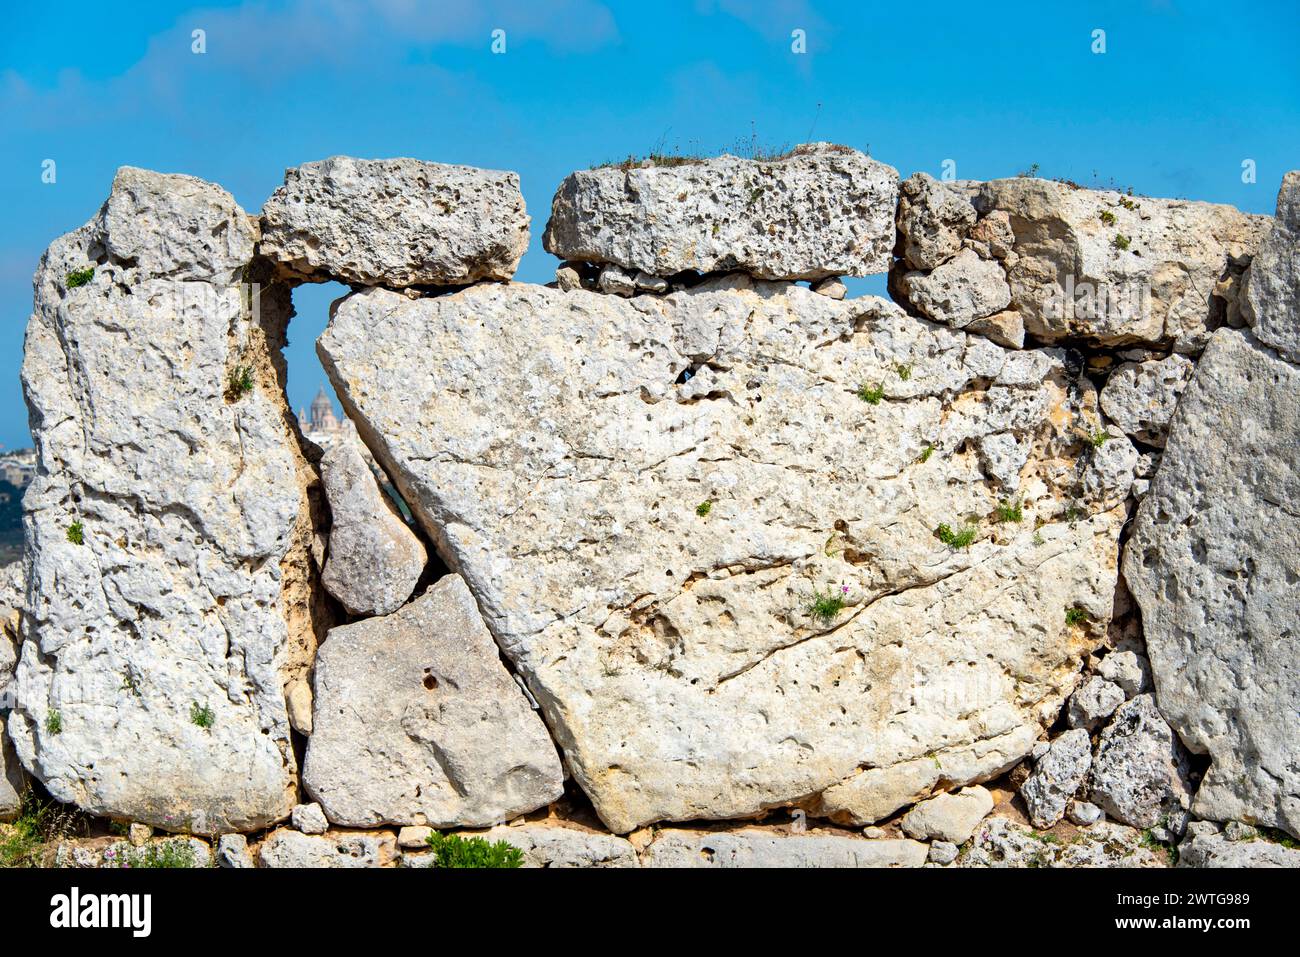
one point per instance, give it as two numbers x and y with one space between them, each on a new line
755 847
943 852
1094 702
285 848
1057 775
1127 669
933 219
1084 813
395 223
297 699
1140 397
414 837
1213 564
1204 846
1271 304
1108 479
374 559
1159 288
1084 263
949 817
1006 328
562 845
558 448
13 781
1000 842
1139 774
310 819
232 852
963 289
833 287
822 211
418 722
151 685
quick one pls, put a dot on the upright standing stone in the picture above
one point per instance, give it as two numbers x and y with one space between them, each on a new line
167 526
1271 304
1214 564
374 559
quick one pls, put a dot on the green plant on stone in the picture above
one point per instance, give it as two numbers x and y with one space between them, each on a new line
177 853
1120 241
1275 836
961 538
1099 438
54 721
904 370
202 715
239 383
926 453
452 850
871 394
77 533
1010 511
704 508
79 277
1108 217
39 824
1038 538
826 607
1076 616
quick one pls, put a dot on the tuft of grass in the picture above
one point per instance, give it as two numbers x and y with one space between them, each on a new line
1099 438
904 370
1038 538
1120 241
1149 841
38 824
871 394
961 538
1010 511
1030 173
926 453
79 277
239 383
202 715
704 508
1076 616
1274 835
452 850
825 608
1107 217
77 533
54 721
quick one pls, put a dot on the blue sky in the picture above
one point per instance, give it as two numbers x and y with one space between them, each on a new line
1183 94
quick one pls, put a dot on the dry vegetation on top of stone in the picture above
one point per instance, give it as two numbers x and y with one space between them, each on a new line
706 563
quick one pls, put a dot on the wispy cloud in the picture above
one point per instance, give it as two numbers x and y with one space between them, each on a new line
262 44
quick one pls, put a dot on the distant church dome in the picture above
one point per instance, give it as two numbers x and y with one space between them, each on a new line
322 413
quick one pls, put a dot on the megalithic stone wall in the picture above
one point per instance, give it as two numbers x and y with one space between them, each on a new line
722 544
